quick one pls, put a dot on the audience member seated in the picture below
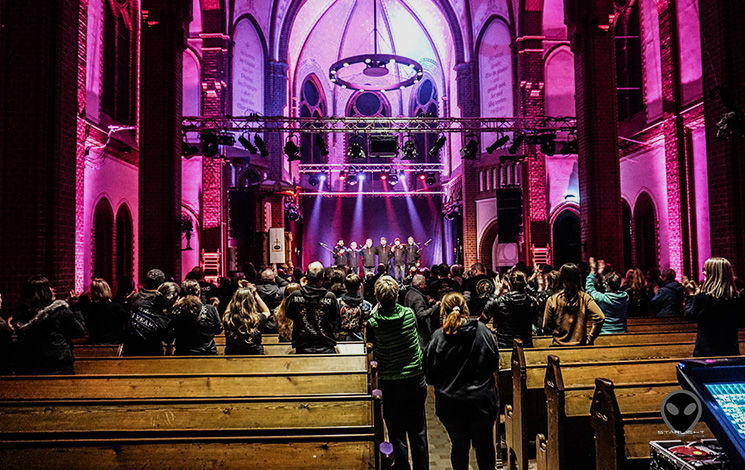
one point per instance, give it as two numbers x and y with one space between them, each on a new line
354 310
44 330
125 288
568 311
716 308
208 289
547 284
149 324
477 289
314 312
513 312
669 299
242 321
613 303
427 312
194 324
392 331
284 324
460 362
443 284
271 289
106 320
636 286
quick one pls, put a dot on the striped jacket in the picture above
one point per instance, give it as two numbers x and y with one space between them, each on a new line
392 330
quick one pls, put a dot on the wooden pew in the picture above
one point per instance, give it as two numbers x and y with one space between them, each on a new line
568 443
111 350
522 421
622 437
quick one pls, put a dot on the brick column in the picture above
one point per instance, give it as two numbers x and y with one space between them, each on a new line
163 32
276 100
38 92
722 36
530 76
468 100
591 37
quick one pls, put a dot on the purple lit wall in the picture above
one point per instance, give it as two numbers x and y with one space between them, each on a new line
327 219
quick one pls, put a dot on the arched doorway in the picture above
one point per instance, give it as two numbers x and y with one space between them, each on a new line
628 261
124 243
645 225
103 243
567 238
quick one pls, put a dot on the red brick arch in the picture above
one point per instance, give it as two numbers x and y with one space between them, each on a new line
486 244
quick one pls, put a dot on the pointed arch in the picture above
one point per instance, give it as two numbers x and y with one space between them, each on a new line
646 232
103 241
124 242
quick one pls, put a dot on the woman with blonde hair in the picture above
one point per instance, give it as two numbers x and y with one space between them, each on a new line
459 362
106 320
284 324
242 320
716 308
635 284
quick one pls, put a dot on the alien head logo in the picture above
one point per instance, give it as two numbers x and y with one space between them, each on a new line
681 410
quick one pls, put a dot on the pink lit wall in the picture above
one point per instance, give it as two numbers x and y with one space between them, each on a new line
690 49
110 178
650 30
191 169
562 182
701 181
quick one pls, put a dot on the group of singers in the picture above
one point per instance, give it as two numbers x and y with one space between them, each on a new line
403 256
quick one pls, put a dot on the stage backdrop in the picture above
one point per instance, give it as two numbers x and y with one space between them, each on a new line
327 219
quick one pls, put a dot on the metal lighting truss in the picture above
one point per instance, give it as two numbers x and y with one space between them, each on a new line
371 167
376 125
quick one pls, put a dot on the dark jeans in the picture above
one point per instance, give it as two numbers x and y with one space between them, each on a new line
403 413
466 425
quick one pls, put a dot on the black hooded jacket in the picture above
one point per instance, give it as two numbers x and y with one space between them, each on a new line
106 321
195 326
427 317
669 299
718 321
271 293
513 314
149 326
461 368
44 339
315 314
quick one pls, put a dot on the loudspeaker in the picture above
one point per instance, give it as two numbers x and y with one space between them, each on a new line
241 214
277 245
509 214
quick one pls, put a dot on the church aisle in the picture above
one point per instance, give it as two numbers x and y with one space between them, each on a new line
439 443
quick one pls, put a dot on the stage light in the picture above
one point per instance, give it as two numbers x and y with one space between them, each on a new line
517 141
360 177
499 143
313 180
226 139
422 176
393 178
438 146
322 177
409 149
209 143
261 146
342 176
430 180
322 145
188 150
548 143
247 144
471 149
383 176
355 151
292 150
570 146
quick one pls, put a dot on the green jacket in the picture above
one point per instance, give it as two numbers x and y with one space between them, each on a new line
393 333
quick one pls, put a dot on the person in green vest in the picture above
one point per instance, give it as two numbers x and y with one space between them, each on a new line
393 334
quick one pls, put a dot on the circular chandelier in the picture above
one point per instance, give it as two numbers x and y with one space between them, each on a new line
375 72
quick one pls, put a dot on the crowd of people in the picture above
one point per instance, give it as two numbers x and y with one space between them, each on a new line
440 326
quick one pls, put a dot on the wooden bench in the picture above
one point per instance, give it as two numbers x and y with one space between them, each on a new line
568 443
622 435
528 374
111 350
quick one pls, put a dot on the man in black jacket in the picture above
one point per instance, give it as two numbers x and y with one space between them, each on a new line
384 254
413 254
399 260
340 254
315 314
427 313
477 289
270 289
353 258
669 299
368 257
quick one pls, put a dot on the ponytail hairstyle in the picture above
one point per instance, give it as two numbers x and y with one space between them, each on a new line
454 310
189 303
241 318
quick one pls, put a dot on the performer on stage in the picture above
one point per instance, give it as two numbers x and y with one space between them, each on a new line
384 254
413 255
368 257
340 254
353 258
399 260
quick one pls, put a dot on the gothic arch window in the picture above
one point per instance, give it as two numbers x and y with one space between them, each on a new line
368 104
424 103
628 59
103 226
566 234
645 229
124 242
117 60
312 103
628 260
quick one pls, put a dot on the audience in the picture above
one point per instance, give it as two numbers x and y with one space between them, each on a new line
106 320
393 334
426 311
460 362
314 312
636 286
717 310
613 302
477 289
44 329
195 324
284 324
513 312
669 299
443 284
149 322
568 311
242 321
353 310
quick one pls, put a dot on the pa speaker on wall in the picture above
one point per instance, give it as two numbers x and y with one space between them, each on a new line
509 214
